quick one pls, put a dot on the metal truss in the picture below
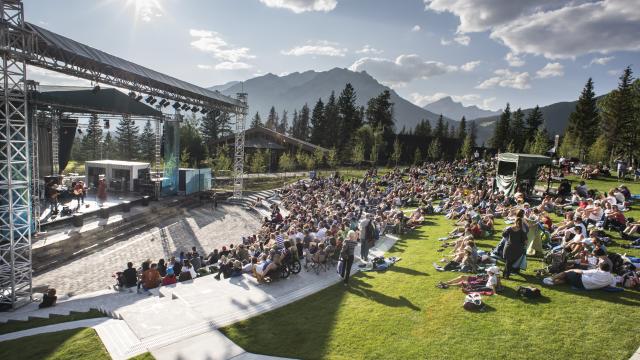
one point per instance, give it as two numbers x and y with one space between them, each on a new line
15 188
238 159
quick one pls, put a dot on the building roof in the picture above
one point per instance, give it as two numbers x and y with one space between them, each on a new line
280 139
75 53
116 162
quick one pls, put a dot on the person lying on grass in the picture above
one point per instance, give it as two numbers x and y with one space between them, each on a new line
491 281
584 279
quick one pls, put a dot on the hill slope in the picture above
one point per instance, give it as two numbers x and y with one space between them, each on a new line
455 110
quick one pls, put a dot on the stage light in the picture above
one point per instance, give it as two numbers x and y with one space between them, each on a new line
132 94
139 97
153 101
176 105
166 104
185 107
204 111
96 89
106 123
195 109
148 99
161 103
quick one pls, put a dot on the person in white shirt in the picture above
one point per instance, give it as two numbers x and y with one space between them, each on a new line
584 279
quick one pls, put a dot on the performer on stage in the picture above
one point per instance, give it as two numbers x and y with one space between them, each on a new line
102 191
79 192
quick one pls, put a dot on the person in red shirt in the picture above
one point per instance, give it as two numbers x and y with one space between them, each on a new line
170 278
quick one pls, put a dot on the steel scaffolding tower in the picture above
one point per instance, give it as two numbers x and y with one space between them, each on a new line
238 159
15 188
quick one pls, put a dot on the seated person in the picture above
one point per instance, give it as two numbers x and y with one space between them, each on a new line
584 279
631 228
491 281
151 278
49 299
127 278
170 278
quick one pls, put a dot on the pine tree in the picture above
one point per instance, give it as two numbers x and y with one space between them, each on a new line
466 151
256 121
435 150
214 126
222 162
257 164
109 147
446 132
397 152
473 132
517 130
379 112
440 131
272 119
423 129
462 129
76 149
332 122
618 121
283 125
191 141
127 138
358 151
584 120
540 144
92 142
500 137
533 122
147 143
303 123
349 121
417 156
318 124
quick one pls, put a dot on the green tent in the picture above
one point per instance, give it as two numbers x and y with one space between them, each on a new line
514 169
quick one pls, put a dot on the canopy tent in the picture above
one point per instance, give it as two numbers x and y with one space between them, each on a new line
514 169
86 100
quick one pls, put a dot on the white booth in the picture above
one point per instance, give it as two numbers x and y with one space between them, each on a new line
119 175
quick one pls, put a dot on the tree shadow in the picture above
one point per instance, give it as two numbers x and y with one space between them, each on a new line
512 293
356 288
405 270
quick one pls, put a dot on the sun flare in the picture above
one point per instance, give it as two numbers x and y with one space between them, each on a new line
146 10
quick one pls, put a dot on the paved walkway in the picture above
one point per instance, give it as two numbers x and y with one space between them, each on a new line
181 321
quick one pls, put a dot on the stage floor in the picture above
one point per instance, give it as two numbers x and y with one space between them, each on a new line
90 205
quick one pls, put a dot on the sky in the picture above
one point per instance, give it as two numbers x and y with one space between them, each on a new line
480 52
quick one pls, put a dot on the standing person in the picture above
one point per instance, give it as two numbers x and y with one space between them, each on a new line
515 248
78 192
102 191
346 254
53 193
367 233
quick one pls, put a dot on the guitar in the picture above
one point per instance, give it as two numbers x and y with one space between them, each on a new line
77 192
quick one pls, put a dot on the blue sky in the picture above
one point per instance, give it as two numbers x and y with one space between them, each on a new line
482 52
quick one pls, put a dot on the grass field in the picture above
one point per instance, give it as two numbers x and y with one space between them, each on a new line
13 326
62 345
400 314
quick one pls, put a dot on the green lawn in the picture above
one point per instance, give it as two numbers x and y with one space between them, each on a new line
400 314
62 345
13 326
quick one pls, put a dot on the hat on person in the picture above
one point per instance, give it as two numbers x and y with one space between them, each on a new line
493 269
170 271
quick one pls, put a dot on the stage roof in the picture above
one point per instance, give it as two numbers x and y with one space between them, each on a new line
71 51
85 100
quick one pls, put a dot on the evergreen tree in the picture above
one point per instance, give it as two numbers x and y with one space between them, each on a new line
191 142
109 147
397 152
379 112
517 130
598 151
127 138
583 121
473 132
377 144
147 143
92 142
533 122
462 129
501 137
223 161
332 158
303 123
332 122
318 124
435 150
618 121
446 133
272 119
256 121
214 126
440 131
423 129
257 164
283 125
358 151
76 149
294 124
452 132
349 121
466 151
417 156
540 144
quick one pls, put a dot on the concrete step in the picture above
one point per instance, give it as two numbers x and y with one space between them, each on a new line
117 337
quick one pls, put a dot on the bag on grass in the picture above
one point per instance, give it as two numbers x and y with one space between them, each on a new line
473 302
529 292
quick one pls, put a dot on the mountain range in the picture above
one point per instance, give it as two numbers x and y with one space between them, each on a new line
292 91
455 110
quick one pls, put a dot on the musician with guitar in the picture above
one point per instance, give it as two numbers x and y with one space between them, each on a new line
79 192
52 194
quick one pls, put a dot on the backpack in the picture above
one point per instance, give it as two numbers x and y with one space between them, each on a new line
369 231
618 263
529 292
473 302
556 260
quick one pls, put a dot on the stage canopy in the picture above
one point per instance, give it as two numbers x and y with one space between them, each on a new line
85 100
516 168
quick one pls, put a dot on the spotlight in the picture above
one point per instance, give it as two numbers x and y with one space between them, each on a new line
176 105
139 97
106 123
204 111
95 89
166 104
153 101
149 99
132 94
161 103
185 107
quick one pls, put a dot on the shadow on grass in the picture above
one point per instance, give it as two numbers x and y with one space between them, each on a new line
357 288
405 270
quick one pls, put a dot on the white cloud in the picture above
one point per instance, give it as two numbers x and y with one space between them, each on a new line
445 42
462 40
470 65
212 42
550 70
300 6
507 79
416 28
48 77
514 60
422 100
369 50
204 67
555 29
601 60
323 48
486 103
402 70
228 65
466 99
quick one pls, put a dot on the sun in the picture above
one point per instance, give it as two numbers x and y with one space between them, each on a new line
146 10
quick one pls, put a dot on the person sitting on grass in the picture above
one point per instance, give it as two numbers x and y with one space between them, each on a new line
632 228
584 279
491 281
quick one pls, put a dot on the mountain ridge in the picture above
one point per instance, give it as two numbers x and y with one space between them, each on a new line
456 110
